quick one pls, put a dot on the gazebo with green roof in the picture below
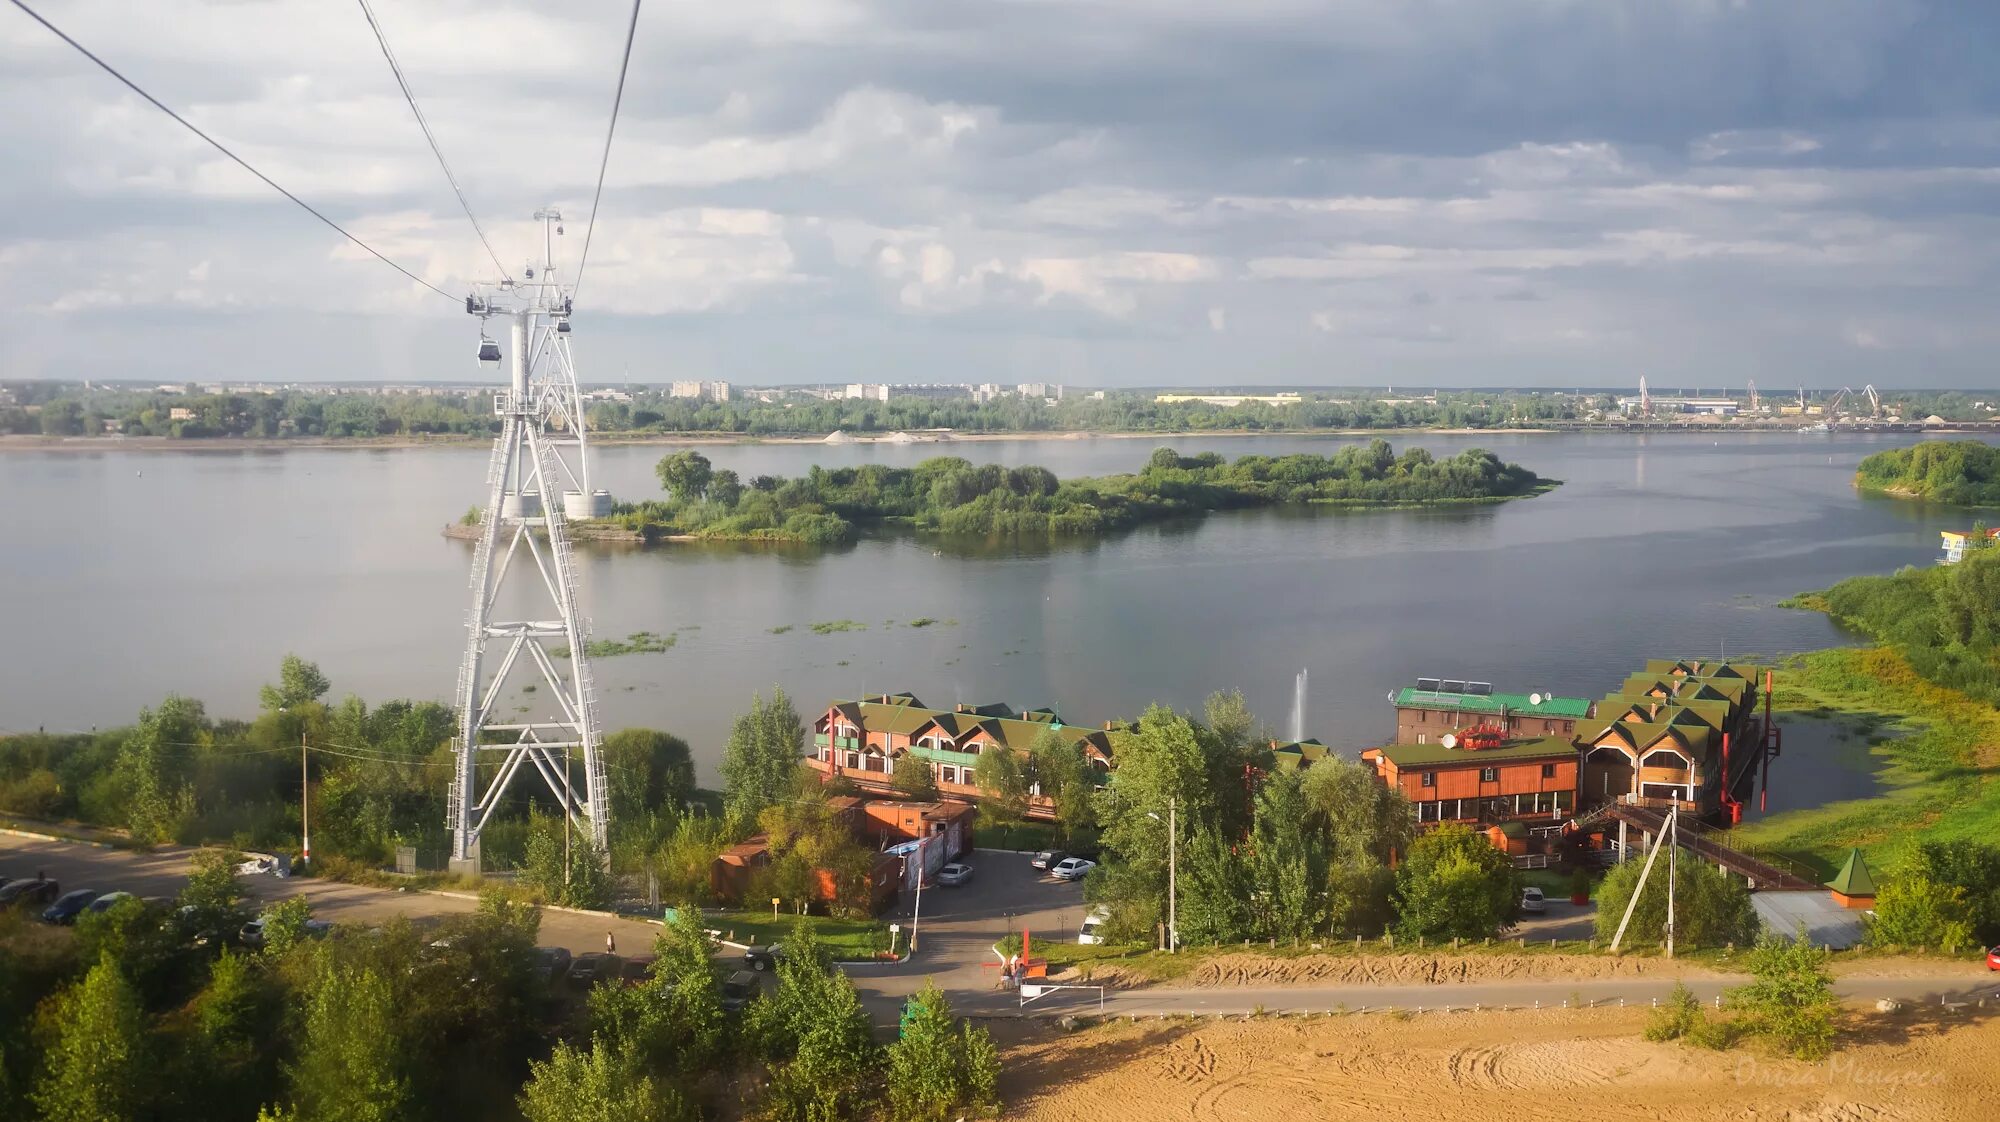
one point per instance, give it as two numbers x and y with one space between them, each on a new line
1853 886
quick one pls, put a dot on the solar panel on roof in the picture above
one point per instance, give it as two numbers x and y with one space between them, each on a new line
1428 684
1451 685
1483 689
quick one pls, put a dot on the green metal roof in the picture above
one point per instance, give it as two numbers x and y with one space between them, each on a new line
1424 755
1853 879
1412 697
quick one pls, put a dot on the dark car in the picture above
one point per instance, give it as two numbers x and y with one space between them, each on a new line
69 905
594 968
107 902
763 958
551 963
1046 859
635 971
36 893
737 991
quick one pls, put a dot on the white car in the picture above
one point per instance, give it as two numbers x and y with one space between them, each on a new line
954 874
1092 931
1531 901
257 866
1072 868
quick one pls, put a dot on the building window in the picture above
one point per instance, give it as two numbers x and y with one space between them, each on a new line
947 773
1489 775
1430 779
1422 739
853 759
1548 771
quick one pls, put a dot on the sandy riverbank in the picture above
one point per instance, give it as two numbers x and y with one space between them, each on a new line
1922 1066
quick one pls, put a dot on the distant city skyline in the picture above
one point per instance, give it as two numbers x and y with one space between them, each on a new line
1101 193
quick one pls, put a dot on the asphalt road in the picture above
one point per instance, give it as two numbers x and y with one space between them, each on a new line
956 929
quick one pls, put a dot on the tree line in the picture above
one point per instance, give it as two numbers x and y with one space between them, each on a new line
158 1011
1960 472
951 495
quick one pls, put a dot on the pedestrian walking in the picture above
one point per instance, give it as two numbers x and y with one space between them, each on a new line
610 944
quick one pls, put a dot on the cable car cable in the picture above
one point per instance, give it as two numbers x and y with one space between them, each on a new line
218 146
422 123
631 28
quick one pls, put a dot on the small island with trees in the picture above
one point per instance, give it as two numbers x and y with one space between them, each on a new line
1959 472
949 495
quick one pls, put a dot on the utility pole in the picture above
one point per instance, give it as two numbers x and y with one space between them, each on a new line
1173 883
917 912
566 801
305 810
1673 844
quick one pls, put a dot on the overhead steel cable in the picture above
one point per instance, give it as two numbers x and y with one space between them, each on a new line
424 124
618 98
220 147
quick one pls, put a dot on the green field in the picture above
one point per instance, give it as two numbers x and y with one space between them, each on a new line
846 938
1940 753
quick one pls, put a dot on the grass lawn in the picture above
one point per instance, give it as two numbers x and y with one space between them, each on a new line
846 938
1941 751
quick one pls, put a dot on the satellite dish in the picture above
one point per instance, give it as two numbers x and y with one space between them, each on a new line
1534 699
1392 695
1448 740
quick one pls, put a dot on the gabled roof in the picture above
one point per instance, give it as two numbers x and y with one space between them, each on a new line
1297 754
1853 879
1410 697
901 715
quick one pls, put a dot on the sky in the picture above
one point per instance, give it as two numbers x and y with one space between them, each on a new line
1094 192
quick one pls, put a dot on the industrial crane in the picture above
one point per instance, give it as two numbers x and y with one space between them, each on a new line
1874 401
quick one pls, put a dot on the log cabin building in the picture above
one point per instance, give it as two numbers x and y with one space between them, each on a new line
868 741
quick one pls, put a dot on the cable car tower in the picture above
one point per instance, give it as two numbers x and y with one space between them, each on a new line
538 480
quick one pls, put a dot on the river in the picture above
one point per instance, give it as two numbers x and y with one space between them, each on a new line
132 574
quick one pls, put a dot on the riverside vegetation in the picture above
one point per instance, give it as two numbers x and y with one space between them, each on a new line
1960 472
949 495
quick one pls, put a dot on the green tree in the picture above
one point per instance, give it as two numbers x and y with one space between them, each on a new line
915 779
1364 821
684 984
1913 910
831 1074
299 683
1790 998
285 925
1003 786
685 475
933 1065
1973 867
1062 772
1163 775
1288 867
1711 908
157 767
97 1069
1216 890
212 898
578 882
648 770
761 757
1454 885
350 1059
599 1084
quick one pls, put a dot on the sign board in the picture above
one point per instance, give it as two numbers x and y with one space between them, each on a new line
894 928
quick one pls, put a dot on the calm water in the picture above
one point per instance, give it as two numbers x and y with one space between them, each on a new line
128 575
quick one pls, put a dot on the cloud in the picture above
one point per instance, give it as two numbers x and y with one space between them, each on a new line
1134 191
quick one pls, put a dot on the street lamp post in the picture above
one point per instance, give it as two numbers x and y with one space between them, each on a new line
1173 893
305 787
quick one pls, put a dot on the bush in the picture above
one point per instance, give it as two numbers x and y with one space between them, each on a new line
1710 909
1914 911
1790 999
1454 885
939 1067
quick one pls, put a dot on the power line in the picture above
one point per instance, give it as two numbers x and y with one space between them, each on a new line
397 69
218 146
618 98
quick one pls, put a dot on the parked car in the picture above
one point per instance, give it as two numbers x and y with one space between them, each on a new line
1071 868
763 958
954 874
69 905
1532 901
737 990
257 866
1993 958
635 971
106 902
594 968
1091 933
35 893
1047 858
551 963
